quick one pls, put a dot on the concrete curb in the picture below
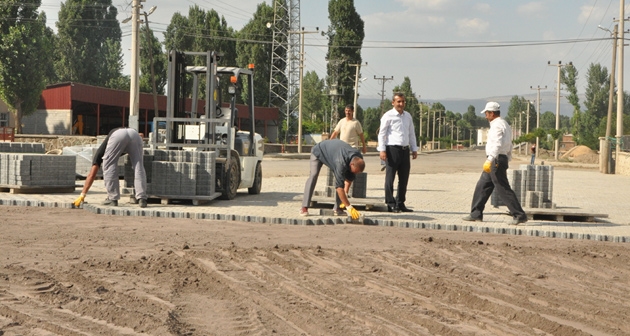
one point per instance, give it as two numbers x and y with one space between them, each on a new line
148 212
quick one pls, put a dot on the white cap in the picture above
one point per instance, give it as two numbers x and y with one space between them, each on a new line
492 107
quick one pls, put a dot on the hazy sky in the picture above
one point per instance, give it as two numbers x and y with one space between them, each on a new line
448 48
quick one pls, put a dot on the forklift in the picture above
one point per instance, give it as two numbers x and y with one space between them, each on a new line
239 153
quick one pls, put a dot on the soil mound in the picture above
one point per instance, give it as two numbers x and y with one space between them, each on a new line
581 154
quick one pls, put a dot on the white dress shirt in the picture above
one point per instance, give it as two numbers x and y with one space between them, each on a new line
396 130
499 139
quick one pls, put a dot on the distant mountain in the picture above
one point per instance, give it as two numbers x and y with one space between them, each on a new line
548 103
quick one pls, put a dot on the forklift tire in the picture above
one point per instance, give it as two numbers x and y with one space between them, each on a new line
232 179
255 189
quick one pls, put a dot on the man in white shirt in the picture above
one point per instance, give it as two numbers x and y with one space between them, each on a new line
494 175
396 137
350 130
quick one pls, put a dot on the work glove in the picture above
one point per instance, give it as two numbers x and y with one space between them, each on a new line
77 202
487 166
354 213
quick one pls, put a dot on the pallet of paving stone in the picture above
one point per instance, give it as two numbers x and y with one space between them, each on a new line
562 215
13 189
172 199
376 204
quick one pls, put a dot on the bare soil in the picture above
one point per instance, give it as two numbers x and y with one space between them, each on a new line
70 272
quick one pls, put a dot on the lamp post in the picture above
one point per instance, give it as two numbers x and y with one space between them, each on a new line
605 165
557 141
301 32
150 47
356 83
134 92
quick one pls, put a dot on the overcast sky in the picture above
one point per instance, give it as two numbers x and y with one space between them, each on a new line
448 48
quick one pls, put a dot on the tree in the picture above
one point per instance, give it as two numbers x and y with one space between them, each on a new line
202 31
568 77
151 52
88 45
345 38
548 120
257 53
25 48
314 102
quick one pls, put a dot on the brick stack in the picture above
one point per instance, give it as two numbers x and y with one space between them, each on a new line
533 186
358 189
36 170
175 173
22 147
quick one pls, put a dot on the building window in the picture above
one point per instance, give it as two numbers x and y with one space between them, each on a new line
4 119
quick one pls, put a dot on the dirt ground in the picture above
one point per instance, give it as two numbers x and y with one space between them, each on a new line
70 272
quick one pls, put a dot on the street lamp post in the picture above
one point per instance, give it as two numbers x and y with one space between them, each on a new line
134 92
302 32
557 141
150 47
356 83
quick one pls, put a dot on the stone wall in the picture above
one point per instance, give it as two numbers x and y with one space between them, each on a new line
48 122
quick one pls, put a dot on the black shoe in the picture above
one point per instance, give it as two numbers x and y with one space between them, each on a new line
403 208
393 209
143 203
107 201
517 221
469 218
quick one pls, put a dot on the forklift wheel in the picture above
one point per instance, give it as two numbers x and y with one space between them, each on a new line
255 189
232 180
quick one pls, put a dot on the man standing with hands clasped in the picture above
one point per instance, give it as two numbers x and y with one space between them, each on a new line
396 137
494 175
350 130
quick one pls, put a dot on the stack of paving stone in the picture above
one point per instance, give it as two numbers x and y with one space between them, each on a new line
22 147
175 173
533 186
19 168
358 188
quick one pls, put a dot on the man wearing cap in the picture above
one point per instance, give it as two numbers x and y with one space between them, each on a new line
396 138
494 175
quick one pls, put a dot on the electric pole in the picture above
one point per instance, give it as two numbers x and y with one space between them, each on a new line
538 88
383 80
622 18
605 164
356 84
301 32
134 88
557 141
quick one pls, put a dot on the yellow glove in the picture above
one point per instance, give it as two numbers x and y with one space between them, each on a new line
487 166
354 213
341 206
77 202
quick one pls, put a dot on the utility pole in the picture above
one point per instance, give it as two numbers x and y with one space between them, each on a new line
622 18
356 84
383 80
557 141
150 47
333 91
301 32
538 88
420 125
134 89
605 164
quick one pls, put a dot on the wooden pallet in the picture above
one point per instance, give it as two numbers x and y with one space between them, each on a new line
171 199
13 189
562 215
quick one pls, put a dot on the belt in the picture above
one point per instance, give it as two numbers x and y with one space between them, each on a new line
399 147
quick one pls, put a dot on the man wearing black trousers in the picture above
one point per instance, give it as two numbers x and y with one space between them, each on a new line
396 138
494 175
